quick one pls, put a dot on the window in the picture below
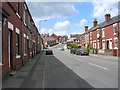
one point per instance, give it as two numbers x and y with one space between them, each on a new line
25 42
17 7
115 28
90 35
0 43
24 16
17 45
103 32
98 33
115 43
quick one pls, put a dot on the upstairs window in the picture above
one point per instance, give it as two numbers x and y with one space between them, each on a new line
24 17
98 33
90 35
17 7
115 28
103 32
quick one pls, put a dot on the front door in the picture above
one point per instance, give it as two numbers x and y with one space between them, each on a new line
10 49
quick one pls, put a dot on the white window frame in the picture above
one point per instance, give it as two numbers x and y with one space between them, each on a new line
103 34
114 43
1 43
25 42
90 35
24 17
115 26
98 34
18 32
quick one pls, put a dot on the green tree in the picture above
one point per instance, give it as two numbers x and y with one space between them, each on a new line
89 48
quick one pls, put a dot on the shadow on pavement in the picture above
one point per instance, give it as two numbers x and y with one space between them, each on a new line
57 75
45 71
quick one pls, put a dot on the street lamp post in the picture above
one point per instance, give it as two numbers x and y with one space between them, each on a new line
40 25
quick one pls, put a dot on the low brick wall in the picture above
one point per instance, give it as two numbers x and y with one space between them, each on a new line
105 52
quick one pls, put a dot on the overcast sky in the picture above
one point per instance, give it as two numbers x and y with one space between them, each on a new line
64 18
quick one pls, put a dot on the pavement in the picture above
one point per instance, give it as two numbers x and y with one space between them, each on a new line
65 70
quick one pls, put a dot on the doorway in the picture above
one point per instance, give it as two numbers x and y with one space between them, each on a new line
10 49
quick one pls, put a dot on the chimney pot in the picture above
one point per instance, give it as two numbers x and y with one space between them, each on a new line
107 17
95 22
86 28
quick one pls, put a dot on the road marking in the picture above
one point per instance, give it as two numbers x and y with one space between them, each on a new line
79 60
98 66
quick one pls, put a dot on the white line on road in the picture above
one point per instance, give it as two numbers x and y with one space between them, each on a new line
98 66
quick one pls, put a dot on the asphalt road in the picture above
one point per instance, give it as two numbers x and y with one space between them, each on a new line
98 71
64 70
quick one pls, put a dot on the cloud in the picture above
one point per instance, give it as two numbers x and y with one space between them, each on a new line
43 30
80 31
82 22
48 10
101 7
60 33
62 26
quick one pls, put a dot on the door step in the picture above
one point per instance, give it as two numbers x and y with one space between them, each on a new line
12 73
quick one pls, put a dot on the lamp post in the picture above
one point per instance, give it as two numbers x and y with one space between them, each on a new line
40 25
41 41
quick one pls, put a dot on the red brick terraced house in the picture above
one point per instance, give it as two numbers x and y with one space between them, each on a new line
55 37
19 36
104 36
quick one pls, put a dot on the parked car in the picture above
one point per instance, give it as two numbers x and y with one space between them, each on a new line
82 52
49 52
73 50
62 49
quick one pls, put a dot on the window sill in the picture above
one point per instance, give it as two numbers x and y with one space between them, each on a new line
116 48
115 33
25 24
25 54
18 15
1 64
17 56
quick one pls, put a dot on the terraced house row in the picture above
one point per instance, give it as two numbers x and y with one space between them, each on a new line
103 37
20 37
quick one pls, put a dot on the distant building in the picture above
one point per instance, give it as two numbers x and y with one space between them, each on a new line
48 41
55 37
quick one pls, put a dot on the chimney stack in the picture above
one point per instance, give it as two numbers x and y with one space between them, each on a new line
86 28
95 23
107 17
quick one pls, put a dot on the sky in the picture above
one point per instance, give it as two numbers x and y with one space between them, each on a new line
65 18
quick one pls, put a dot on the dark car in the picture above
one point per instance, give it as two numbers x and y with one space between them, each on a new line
82 52
73 50
62 49
49 52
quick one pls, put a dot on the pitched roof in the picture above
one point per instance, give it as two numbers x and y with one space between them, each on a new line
48 38
104 24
